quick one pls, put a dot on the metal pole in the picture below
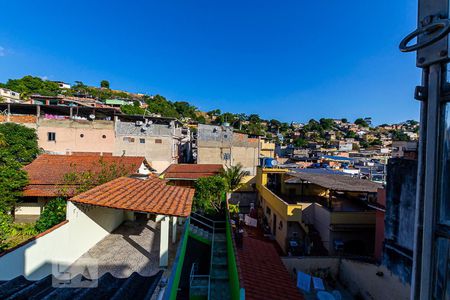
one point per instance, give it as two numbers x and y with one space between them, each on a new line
436 75
418 230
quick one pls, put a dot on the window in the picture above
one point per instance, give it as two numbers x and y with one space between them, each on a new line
104 136
158 141
51 136
268 211
128 139
81 135
142 141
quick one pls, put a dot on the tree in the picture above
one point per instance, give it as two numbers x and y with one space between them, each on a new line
87 180
104 84
132 109
300 143
209 192
54 213
361 122
344 120
21 140
233 176
18 146
398 135
160 105
350 134
326 124
29 85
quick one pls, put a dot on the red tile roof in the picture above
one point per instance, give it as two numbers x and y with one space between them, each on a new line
151 195
262 272
47 171
192 171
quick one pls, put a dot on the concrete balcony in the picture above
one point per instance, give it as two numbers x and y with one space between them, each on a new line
289 212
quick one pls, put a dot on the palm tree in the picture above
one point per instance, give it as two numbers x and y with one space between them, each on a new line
233 176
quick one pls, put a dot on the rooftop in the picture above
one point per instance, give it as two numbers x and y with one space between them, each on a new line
336 182
47 171
262 272
192 171
151 195
109 287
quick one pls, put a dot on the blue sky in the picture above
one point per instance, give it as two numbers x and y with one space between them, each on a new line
290 60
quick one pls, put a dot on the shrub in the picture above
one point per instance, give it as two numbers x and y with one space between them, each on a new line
53 214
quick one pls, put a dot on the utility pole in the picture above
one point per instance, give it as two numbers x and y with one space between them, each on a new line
430 278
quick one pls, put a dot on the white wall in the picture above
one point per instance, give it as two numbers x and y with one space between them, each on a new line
358 277
86 227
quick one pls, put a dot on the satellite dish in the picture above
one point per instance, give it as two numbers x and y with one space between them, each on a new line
92 116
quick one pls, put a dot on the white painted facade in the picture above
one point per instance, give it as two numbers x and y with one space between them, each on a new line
9 96
87 226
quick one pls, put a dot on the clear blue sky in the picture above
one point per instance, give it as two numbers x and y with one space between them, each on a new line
290 60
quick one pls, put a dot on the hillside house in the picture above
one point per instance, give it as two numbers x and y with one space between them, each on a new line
47 177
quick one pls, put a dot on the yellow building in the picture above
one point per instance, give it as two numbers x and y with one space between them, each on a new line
323 213
283 219
267 148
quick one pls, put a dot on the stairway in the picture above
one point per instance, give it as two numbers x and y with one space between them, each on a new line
200 232
219 268
218 279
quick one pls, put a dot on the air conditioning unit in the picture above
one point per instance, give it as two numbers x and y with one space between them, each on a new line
139 123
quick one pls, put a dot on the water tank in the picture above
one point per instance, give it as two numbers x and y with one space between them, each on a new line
267 162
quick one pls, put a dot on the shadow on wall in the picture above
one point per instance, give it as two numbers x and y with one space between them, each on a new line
358 277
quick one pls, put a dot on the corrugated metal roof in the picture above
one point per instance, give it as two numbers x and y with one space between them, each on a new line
336 182
135 287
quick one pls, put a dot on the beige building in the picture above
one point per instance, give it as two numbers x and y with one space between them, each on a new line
220 145
9 96
159 140
267 148
74 130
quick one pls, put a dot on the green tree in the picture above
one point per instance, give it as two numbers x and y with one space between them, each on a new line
54 213
186 110
350 134
132 109
104 84
21 140
233 176
18 146
344 120
28 85
160 105
398 135
209 192
326 124
300 143
361 122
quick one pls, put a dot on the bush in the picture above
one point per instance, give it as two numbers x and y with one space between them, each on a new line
209 193
53 214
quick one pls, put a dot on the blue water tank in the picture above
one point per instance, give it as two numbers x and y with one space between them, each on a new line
267 162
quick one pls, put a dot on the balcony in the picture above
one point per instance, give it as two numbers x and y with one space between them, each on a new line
287 210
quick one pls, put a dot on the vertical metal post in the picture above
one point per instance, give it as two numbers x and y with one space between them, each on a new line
418 230
436 76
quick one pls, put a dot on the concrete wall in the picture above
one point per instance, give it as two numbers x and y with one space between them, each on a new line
322 221
220 145
86 227
400 215
157 143
76 136
359 278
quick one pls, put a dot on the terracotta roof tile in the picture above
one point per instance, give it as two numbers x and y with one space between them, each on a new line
47 171
262 272
151 195
192 171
